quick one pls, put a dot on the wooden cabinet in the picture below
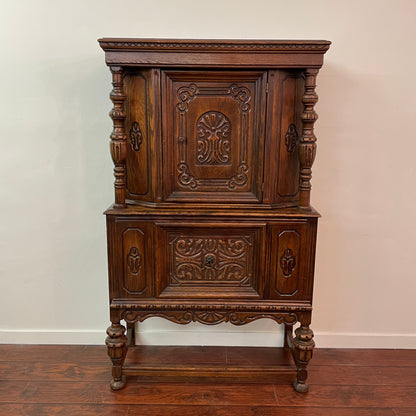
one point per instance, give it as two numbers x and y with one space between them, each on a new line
213 146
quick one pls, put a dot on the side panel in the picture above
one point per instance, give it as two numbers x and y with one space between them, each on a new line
291 248
143 137
132 274
281 184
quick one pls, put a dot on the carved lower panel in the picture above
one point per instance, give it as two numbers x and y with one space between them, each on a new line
210 259
199 260
210 317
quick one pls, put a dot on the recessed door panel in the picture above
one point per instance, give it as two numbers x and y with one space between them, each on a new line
210 260
213 135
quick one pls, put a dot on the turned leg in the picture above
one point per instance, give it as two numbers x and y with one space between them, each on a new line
117 349
131 334
303 345
288 333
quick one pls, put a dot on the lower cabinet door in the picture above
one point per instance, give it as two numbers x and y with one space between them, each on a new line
291 250
210 260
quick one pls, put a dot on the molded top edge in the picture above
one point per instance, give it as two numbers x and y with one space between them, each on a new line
217 45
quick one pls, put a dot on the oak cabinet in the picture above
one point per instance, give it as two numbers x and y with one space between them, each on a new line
213 146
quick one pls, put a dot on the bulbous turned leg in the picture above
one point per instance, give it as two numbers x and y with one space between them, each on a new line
117 349
303 345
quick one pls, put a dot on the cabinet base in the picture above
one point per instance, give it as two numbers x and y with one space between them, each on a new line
227 364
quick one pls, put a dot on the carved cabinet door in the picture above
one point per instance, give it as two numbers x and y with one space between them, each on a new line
210 260
213 135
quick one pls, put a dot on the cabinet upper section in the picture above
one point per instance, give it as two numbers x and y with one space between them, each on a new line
214 53
213 121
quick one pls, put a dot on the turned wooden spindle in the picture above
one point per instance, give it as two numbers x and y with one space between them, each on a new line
118 144
307 147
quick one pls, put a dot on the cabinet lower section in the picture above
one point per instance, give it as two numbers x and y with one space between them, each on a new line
211 268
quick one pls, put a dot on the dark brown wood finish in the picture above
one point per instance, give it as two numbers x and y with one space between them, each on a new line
72 380
213 147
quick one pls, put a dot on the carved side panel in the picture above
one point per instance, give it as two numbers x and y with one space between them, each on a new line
290 250
134 260
281 179
288 177
136 86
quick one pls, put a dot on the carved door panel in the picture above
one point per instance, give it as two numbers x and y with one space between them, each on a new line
132 252
213 133
291 265
197 260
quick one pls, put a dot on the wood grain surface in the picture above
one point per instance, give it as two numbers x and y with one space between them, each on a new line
73 380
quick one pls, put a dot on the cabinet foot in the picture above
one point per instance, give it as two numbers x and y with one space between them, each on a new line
303 345
117 349
117 384
300 387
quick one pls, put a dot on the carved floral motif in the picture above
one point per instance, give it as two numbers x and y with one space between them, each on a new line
287 262
134 260
291 138
209 317
213 139
136 136
210 259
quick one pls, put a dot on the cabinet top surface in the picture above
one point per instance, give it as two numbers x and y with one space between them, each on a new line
228 45
214 53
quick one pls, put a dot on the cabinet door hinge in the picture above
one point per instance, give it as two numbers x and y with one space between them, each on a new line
267 87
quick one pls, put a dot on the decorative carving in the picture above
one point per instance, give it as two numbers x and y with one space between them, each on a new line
116 342
307 147
186 94
211 259
271 46
240 179
291 138
185 178
303 346
209 317
242 96
287 262
134 260
136 136
213 139
118 137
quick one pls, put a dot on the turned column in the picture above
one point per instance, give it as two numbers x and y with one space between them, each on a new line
117 349
303 346
307 146
118 144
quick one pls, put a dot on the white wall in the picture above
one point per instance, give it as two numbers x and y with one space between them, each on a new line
56 174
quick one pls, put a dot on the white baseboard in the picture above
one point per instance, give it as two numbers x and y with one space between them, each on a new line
52 336
364 340
209 336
